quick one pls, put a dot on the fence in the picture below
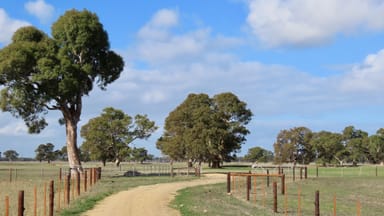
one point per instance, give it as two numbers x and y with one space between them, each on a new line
269 191
47 196
155 169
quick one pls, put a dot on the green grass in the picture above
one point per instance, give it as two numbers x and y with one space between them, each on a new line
213 199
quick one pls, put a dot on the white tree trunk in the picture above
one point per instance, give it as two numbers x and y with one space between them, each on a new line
73 152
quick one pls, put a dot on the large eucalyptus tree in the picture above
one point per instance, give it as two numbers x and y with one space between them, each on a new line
205 129
39 73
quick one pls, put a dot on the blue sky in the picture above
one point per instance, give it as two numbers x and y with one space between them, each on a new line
318 64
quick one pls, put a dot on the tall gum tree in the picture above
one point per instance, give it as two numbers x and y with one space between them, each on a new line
39 73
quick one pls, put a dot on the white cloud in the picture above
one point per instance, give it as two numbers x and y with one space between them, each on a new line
157 27
311 22
14 129
8 26
367 76
40 9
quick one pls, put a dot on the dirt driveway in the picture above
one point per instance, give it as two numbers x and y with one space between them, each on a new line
148 200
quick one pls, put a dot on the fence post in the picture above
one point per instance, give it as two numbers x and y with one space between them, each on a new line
35 201
248 186
20 211
301 173
60 174
68 188
45 199
51 198
317 171
78 183
98 173
10 174
90 177
85 181
275 197
283 184
358 208
293 173
334 204
6 205
317 203
268 176
228 182
305 172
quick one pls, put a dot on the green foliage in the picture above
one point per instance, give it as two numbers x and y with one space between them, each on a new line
140 155
294 146
258 154
11 155
107 137
205 129
351 146
41 73
45 152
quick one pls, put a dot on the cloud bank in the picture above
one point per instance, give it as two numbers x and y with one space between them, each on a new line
309 22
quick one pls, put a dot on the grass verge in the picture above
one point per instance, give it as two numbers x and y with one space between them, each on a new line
349 192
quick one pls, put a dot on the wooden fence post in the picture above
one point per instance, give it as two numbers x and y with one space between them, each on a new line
60 174
317 171
78 183
228 183
85 181
68 188
248 186
293 173
301 173
99 173
90 177
268 176
45 199
35 201
317 203
306 172
20 209
334 204
51 198
358 208
6 205
274 197
283 184
10 174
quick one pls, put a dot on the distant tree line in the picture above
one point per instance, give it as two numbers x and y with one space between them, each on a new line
301 145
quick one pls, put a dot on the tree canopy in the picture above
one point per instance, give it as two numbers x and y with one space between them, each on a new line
258 154
107 136
41 73
205 129
350 146
11 155
45 152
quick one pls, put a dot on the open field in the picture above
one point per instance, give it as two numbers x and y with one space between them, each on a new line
16 176
349 185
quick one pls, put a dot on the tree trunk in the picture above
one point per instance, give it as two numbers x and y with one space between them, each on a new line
73 152
117 162
216 164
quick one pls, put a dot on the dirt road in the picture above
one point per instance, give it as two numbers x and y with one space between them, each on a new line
148 200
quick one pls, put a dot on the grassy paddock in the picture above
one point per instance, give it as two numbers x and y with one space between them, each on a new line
16 176
349 186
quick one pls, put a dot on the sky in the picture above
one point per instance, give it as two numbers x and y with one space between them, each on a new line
317 64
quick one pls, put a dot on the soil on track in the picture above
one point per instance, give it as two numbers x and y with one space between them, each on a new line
148 200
